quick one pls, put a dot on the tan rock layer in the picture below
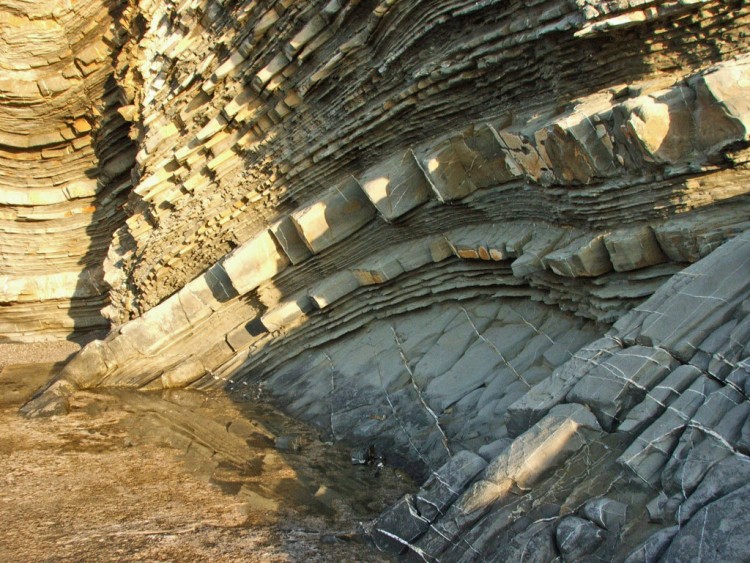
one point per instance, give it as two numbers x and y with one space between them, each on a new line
65 159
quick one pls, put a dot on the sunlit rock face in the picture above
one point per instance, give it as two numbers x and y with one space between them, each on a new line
503 242
65 160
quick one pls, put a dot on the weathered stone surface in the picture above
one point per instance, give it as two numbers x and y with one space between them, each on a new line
542 397
339 213
723 478
606 513
652 449
443 486
587 257
632 249
654 547
254 262
659 398
396 186
399 526
412 224
716 532
534 544
182 375
289 239
620 382
722 113
576 537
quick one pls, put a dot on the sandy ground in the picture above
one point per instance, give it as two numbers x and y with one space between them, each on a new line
40 352
82 487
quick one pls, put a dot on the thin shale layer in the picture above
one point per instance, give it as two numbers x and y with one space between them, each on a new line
504 243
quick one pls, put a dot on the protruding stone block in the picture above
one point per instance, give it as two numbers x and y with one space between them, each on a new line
288 237
286 313
182 374
542 242
631 249
660 127
398 526
576 538
463 164
582 258
538 401
579 145
613 387
378 271
333 288
337 214
445 485
396 186
722 113
256 261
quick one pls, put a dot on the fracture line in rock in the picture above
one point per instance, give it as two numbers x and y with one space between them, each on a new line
494 348
422 401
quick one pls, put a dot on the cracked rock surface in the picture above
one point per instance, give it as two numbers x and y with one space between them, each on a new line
503 244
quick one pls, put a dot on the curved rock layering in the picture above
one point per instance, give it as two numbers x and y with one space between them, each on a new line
505 243
65 161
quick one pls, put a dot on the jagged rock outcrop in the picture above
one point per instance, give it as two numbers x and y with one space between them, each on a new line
503 242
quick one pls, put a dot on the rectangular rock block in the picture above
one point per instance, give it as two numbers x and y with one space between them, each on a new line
632 249
333 288
337 214
256 261
396 186
288 237
585 257
537 402
715 287
473 160
286 313
613 387
445 485
722 113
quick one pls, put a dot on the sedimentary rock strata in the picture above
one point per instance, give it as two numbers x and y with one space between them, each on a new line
504 243
65 161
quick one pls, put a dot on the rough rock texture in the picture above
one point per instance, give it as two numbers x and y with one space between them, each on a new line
467 233
65 161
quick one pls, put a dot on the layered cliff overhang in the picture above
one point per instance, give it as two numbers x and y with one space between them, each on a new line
506 241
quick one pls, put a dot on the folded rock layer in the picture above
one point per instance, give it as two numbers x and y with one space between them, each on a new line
505 243
65 161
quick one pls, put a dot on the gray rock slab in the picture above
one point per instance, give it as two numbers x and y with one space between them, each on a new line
341 211
651 550
535 544
398 526
659 398
620 382
723 478
716 533
576 537
396 185
632 249
651 450
446 484
606 513
530 408
717 286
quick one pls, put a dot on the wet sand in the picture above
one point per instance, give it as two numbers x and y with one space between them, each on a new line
180 476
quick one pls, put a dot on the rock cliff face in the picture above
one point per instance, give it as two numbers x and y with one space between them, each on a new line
489 238
65 161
